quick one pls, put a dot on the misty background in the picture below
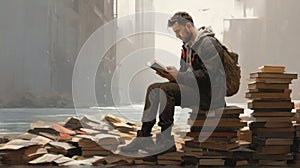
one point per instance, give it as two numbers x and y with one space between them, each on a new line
40 41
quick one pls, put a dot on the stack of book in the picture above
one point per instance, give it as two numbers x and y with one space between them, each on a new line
2 141
170 159
65 148
99 145
145 161
18 151
296 146
214 135
80 141
272 130
116 160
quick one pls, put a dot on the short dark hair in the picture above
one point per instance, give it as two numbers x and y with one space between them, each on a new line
181 18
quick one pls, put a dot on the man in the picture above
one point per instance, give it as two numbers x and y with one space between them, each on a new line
200 83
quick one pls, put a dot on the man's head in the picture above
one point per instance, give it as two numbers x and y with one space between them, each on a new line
183 25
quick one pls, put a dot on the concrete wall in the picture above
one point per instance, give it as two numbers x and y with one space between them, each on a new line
39 44
40 41
268 35
251 52
24 61
133 52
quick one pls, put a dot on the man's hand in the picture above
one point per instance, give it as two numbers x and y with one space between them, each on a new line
169 74
172 73
166 75
161 74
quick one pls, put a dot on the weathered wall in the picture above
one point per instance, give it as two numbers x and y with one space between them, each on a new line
134 51
267 34
39 44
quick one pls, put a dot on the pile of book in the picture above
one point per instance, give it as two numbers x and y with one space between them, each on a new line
296 146
214 136
52 143
272 130
3 140
170 159
98 145
23 149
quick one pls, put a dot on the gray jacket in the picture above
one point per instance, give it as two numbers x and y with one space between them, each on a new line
208 75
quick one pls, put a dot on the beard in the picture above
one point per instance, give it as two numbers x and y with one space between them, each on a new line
189 36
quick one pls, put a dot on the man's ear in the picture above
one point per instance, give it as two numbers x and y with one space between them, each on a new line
188 25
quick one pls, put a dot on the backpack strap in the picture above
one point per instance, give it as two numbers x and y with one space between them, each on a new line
218 46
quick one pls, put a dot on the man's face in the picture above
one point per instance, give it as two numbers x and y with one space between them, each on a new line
182 32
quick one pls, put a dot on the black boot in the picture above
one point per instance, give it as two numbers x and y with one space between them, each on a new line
165 142
143 140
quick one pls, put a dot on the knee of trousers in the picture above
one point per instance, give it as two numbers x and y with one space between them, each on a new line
169 90
153 86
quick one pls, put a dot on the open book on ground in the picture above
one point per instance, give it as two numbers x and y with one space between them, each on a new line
157 66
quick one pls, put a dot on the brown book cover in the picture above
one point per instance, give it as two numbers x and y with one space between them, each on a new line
273 163
227 135
230 110
212 145
274 132
275 135
272 68
273 75
273 80
171 156
279 149
271 105
287 156
96 152
272 124
215 129
220 146
211 162
221 111
169 162
262 85
272 114
157 66
267 124
19 156
241 163
220 123
297 127
270 95
273 141
273 119
268 90
223 115
298 134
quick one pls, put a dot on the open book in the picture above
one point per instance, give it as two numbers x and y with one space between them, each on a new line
157 66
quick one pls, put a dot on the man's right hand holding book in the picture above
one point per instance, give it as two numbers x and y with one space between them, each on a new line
171 73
